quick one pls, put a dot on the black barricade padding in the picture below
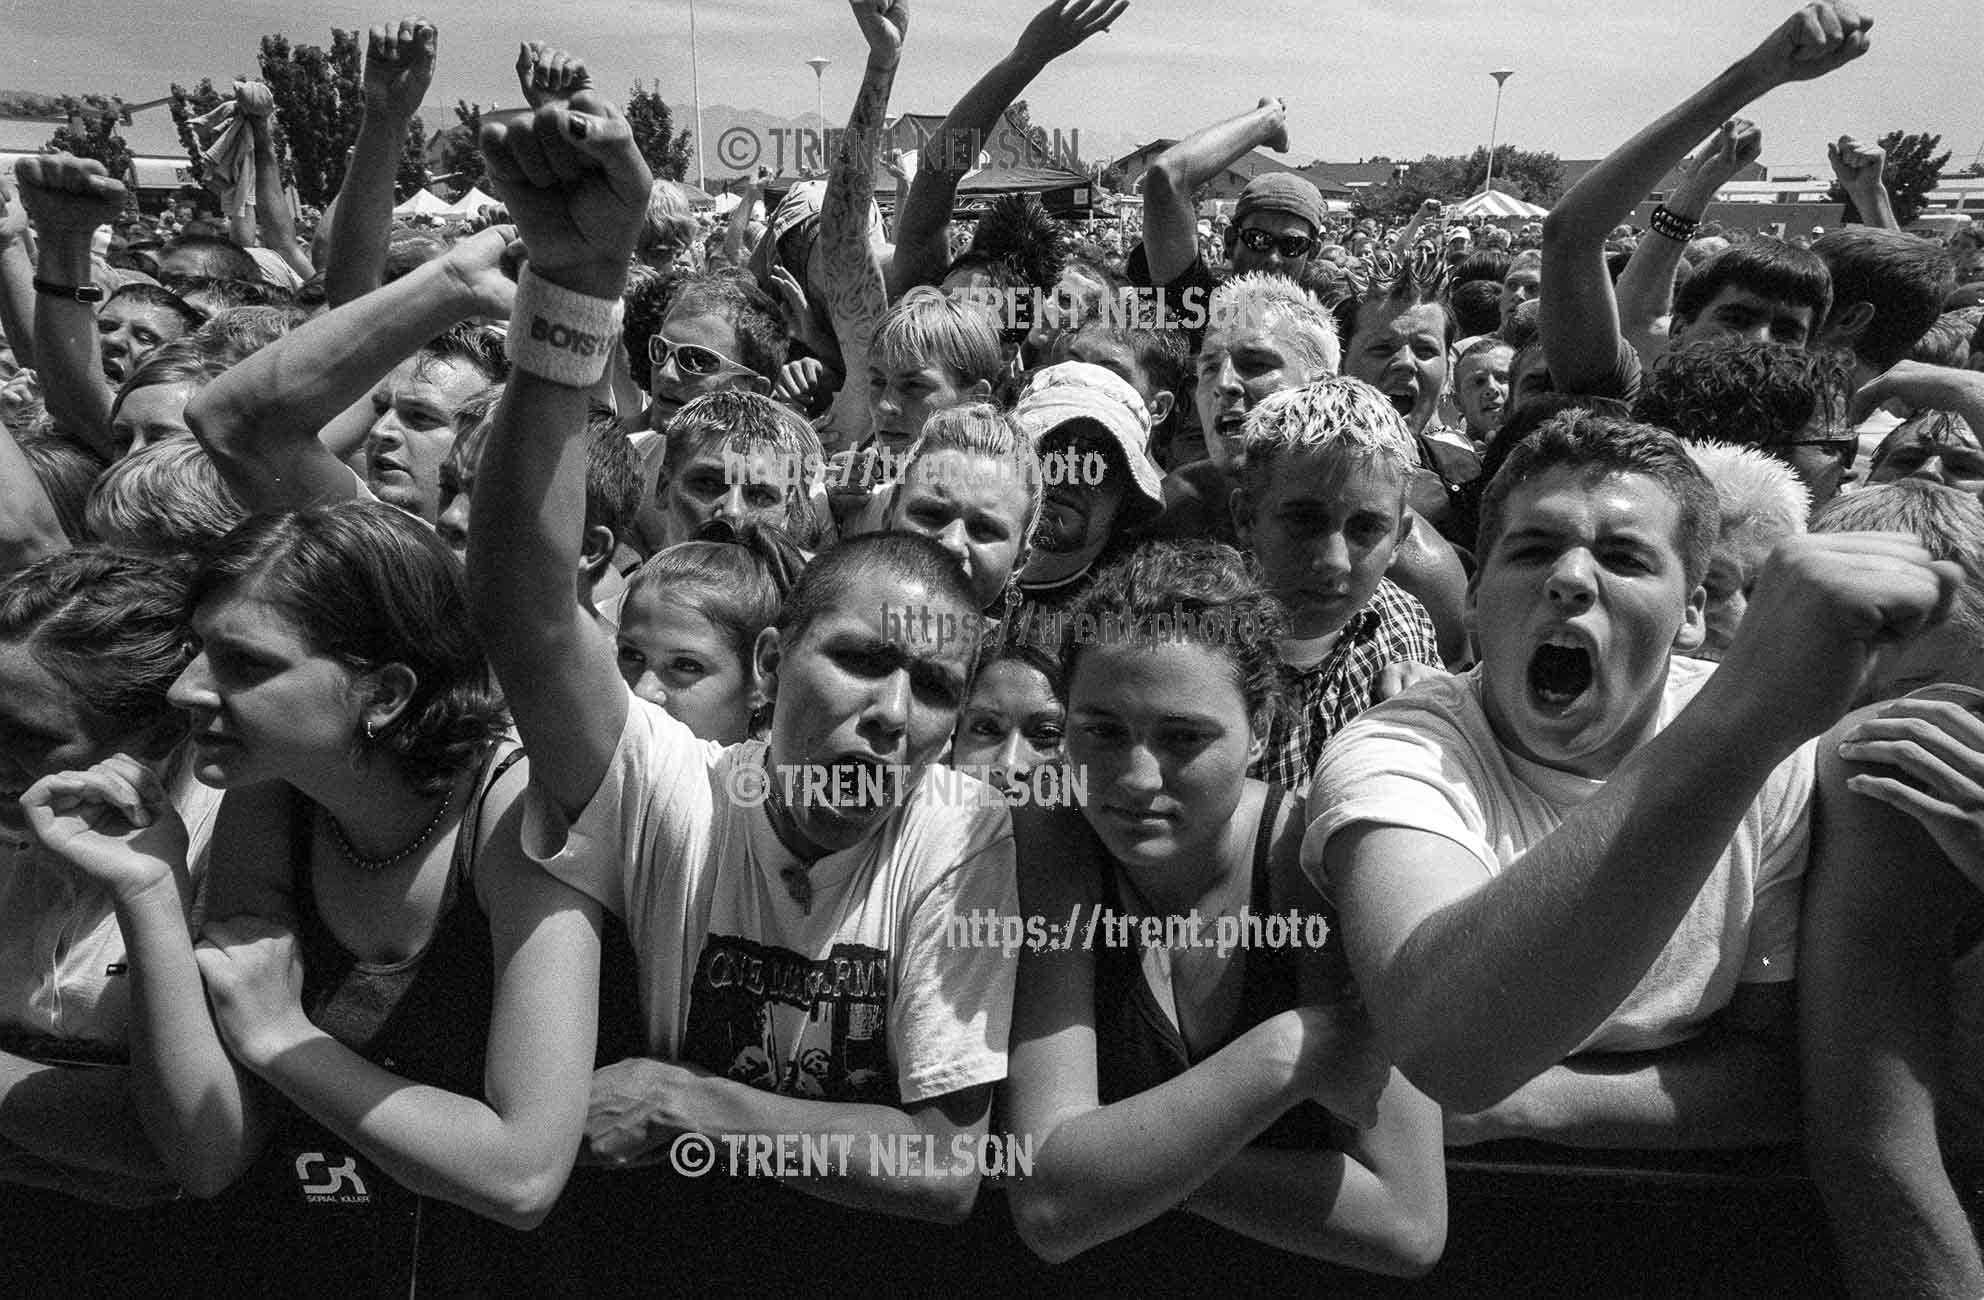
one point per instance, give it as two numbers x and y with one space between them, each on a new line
651 1232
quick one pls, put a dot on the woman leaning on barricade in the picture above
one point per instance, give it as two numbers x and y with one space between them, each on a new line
361 1064
1191 1067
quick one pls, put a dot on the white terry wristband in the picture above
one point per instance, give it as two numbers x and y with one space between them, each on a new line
559 335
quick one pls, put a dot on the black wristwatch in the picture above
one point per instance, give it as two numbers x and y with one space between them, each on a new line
87 293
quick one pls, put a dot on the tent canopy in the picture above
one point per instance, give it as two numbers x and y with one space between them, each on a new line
1494 203
470 203
422 204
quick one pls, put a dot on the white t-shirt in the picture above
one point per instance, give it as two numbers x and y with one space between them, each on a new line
861 999
62 960
1427 760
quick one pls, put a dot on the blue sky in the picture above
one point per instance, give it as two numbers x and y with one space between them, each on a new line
1400 77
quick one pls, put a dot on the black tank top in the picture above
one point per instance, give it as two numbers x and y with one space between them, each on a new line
426 1018
1137 1047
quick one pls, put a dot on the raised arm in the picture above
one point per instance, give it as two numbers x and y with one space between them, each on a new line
576 185
67 198
260 421
857 294
1171 231
1858 168
273 221
1429 211
1923 387
1581 331
16 277
921 251
734 252
1646 287
1478 986
1881 911
399 64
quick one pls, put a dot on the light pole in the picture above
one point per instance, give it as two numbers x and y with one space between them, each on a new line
818 63
1501 76
696 89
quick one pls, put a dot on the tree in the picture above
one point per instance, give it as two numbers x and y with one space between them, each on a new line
412 174
1022 119
1912 171
1533 175
319 98
652 124
461 154
1412 184
91 132
187 105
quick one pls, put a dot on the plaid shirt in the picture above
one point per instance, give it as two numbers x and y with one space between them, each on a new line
1316 702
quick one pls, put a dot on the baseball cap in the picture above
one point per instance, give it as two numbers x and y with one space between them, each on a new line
1076 390
1281 192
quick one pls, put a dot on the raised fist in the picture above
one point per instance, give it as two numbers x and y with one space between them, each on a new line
884 23
575 185
1818 39
546 73
66 196
1277 123
1825 608
399 65
1858 166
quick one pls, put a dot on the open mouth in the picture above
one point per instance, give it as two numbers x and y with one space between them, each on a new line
1404 402
858 783
1560 672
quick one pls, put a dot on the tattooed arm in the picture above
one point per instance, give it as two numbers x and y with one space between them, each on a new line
856 292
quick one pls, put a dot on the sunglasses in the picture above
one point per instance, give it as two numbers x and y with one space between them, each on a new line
693 359
1289 246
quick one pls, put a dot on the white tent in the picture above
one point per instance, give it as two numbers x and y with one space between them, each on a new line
471 203
1494 204
422 204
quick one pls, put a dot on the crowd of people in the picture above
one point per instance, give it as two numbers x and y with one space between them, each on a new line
476 708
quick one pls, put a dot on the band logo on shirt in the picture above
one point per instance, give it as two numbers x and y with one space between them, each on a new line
806 1027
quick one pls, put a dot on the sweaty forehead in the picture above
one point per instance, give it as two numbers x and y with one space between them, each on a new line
1569 501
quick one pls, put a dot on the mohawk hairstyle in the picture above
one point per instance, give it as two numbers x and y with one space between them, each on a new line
1017 232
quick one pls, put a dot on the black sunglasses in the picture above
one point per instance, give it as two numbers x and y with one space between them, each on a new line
1289 246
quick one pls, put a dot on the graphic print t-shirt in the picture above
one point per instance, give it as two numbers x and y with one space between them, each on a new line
862 998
